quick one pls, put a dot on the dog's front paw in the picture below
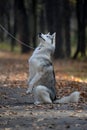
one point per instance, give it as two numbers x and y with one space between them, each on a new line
28 91
37 103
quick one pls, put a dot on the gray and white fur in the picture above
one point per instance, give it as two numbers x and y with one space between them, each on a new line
41 72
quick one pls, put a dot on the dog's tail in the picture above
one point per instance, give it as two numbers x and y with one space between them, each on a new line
72 98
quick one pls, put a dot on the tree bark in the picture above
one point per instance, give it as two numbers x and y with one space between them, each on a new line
34 6
67 14
54 13
2 14
59 52
81 9
49 6
22 24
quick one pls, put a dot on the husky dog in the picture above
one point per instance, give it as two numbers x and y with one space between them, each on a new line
41 72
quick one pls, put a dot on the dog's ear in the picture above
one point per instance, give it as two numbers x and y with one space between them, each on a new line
48 33
54 35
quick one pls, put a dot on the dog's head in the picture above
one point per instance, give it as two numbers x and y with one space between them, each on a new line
47 38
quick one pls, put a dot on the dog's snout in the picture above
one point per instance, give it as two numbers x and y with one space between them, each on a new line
39 34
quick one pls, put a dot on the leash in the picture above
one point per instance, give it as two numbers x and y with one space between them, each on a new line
5 30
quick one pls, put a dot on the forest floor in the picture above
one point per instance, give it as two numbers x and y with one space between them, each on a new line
17 111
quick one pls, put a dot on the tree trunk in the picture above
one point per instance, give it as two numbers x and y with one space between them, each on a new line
22 24
67 14
59 53
54 13
49 6
42 21
34 4
13 25
81 7
2 13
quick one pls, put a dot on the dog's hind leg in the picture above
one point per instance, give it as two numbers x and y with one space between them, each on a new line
42 95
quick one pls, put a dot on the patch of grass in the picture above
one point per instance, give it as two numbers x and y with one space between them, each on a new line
6 46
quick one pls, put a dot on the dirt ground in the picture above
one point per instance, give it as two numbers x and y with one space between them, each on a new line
17 111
